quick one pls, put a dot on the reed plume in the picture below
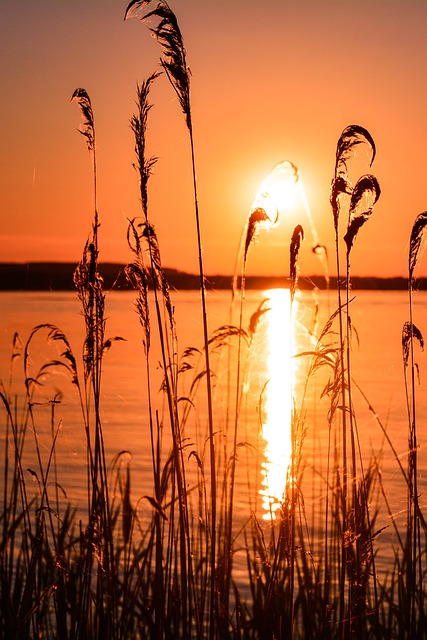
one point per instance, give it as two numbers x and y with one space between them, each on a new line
138 124
409 332
169 36
257 218
297 237
350 138
87 128
416 244
363 198
347 145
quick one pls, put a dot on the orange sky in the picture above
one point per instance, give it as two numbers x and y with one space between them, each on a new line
271 81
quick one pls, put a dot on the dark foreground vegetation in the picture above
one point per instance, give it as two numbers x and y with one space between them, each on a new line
185 566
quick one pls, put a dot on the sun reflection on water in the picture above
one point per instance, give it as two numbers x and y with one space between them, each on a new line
277 400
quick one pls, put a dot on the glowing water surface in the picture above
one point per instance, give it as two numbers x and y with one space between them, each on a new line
376 364
278 399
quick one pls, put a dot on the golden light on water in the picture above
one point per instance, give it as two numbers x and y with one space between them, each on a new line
278 399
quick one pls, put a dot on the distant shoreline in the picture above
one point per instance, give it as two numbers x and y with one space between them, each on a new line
58 276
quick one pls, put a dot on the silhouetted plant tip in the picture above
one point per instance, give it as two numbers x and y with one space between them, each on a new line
350 138
170 38
339 188
363 198
256 219
87 129
297 237
347 145
410 332
416 242
138 123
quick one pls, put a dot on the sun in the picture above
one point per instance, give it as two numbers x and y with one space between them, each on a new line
278 192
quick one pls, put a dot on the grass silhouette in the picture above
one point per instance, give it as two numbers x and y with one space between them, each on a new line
191 567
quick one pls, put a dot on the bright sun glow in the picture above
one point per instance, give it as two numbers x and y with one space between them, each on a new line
278 192
276 429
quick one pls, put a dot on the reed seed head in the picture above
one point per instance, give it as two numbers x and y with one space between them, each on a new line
363 198
173 61
352 136
415 243
257 218
409 332
87 128
297 237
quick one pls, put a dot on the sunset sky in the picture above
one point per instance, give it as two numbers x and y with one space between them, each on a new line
271 81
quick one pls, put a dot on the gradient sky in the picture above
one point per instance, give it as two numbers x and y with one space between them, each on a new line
271 81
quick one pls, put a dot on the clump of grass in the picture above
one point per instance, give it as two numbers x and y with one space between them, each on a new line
310 573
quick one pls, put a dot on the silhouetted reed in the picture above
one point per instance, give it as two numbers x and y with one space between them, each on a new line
173 61
353 197
415 555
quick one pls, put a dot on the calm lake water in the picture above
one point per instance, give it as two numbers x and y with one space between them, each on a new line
377 319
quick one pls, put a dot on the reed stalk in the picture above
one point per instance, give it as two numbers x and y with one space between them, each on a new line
297 237
89 286
411 333
174 63
357 202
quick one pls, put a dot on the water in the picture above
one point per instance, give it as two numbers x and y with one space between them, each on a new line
377 319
